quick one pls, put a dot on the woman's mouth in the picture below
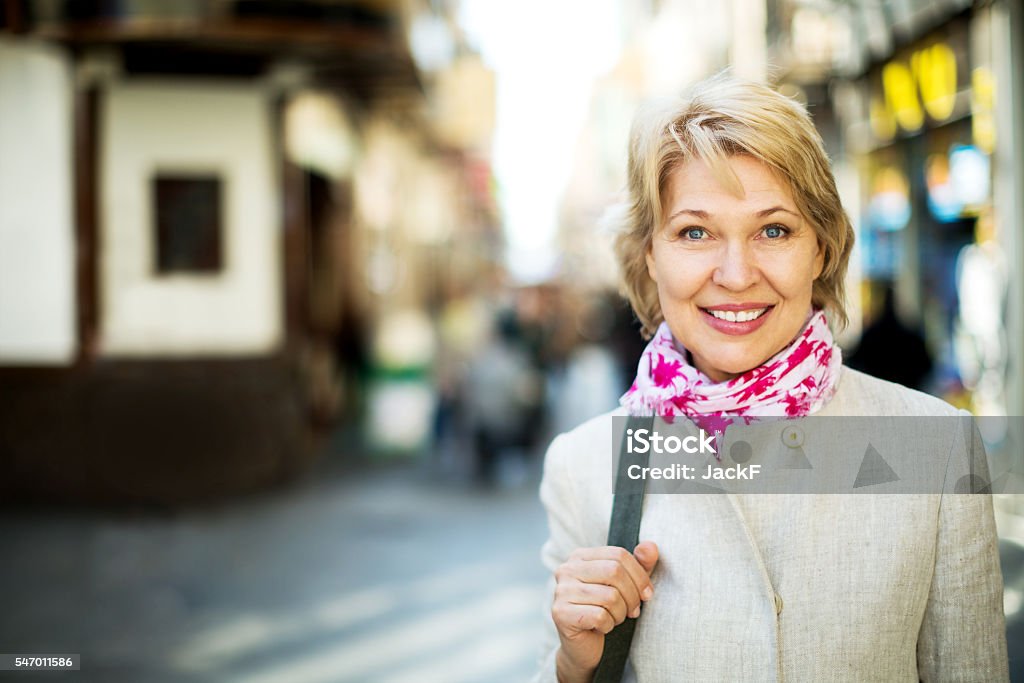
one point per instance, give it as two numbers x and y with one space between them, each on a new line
738 316
736 320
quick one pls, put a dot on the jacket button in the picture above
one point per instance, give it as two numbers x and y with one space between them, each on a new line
792 437
778 604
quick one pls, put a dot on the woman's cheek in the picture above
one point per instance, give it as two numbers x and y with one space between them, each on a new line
675 284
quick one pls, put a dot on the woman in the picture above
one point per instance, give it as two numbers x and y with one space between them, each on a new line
734 251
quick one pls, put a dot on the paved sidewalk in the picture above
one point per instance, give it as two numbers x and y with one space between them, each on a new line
379 575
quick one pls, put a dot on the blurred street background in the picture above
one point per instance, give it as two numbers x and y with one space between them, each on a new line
294 294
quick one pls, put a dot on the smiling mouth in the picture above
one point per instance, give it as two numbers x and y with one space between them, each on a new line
738 316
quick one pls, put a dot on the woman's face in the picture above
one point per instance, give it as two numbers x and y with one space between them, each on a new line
734 274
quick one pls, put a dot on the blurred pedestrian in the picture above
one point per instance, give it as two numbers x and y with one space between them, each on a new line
892 350
503 390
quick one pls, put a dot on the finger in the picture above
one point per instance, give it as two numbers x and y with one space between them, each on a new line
572 618
637 573
647 554
608 572
609 598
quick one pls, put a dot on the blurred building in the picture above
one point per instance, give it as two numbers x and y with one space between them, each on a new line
208 212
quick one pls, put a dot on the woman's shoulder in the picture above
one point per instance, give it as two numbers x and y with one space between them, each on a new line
861 394
589 444
597 427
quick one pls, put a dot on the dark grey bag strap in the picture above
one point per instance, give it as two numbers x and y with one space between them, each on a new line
623 531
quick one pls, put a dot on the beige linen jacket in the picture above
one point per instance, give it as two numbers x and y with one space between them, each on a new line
796 587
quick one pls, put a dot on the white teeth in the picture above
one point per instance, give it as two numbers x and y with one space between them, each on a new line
738 316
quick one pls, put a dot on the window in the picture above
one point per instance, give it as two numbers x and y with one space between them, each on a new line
189 227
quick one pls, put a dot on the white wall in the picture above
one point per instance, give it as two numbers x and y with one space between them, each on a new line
171 126
37 271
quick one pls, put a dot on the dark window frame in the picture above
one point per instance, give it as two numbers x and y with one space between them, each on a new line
188 222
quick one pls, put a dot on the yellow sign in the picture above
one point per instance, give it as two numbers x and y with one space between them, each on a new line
901 95
927 84
934 70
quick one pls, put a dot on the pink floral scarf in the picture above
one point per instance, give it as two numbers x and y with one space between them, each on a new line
795 382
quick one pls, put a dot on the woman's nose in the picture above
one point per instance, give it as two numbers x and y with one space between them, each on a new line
735 269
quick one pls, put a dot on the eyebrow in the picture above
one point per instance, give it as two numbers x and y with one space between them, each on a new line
705 215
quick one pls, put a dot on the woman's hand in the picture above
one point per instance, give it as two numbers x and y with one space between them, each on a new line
597 588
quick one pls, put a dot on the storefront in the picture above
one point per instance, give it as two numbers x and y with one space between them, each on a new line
924 119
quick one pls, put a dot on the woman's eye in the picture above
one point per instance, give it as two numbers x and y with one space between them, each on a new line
775 231
693 233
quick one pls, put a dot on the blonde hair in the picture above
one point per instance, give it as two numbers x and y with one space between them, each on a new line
718 118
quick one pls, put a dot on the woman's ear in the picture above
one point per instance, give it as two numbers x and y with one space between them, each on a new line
651 269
